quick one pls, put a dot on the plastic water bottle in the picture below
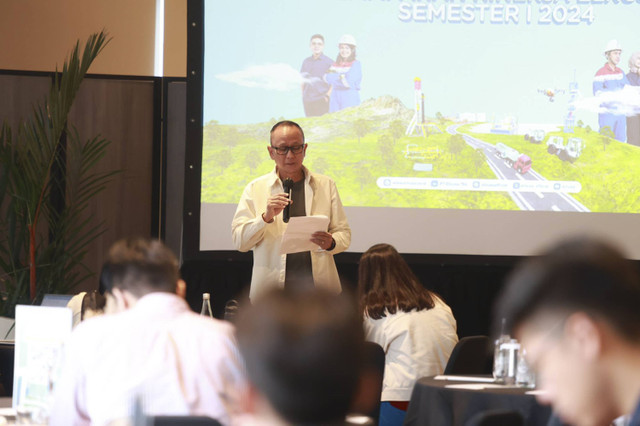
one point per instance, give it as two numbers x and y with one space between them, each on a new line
230 310
511 350
525 376
500 356
500 359
206 305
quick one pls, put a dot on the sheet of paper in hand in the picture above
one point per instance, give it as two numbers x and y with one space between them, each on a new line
298 233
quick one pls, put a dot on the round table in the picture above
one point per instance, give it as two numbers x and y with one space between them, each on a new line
435 403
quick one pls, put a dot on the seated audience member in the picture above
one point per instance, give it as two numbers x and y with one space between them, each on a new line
86 305
303 351
576 311
152 349
413 325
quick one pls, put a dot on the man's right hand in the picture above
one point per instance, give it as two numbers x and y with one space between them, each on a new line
275 204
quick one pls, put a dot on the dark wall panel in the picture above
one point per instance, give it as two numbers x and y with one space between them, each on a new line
19 93
175 120
122 112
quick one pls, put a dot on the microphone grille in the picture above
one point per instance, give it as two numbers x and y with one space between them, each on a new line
287 184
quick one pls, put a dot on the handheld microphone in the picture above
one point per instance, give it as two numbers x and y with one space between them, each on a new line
288 186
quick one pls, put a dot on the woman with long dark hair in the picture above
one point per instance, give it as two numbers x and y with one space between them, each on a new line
344 76
413 325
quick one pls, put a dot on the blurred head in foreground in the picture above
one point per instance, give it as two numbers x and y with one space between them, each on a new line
303 351
576 310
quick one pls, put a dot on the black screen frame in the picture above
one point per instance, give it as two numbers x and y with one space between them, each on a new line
193 146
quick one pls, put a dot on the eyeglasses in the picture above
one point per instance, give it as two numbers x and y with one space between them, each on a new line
284 150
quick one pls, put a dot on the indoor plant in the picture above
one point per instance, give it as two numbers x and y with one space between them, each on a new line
47 179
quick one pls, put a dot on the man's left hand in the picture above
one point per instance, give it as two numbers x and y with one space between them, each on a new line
322 239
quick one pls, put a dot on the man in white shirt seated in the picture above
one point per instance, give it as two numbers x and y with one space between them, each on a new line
303 352
153 349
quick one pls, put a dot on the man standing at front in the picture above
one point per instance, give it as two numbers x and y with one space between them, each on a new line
258 224
315 91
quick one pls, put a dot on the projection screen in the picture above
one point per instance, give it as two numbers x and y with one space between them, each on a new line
461 127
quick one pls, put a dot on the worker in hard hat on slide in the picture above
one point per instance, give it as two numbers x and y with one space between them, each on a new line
610 78
345 76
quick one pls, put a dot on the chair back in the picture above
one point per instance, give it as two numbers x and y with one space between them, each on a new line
496 418
471 355
367 401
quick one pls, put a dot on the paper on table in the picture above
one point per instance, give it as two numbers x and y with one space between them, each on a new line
465 378
479 386
296 236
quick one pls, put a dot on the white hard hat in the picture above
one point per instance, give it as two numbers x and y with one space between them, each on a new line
612 45
347 39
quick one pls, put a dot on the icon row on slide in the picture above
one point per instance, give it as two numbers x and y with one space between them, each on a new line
452 184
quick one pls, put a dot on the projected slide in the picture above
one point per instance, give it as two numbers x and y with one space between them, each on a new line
483 105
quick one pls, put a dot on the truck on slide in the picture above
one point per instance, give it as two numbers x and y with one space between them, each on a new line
506 152
536 136
568 151
520 162
523 164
